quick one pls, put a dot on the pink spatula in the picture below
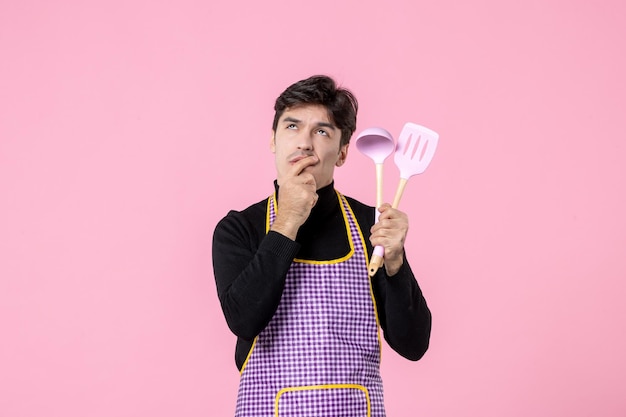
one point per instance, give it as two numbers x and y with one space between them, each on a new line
414 151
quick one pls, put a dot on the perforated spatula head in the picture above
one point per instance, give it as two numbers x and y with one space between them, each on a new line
415 149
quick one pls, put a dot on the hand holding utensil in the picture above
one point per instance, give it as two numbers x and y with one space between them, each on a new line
414 151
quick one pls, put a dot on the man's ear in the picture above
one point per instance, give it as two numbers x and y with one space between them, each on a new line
273 142
343 154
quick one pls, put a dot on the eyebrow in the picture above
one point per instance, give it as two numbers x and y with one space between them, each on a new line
319 124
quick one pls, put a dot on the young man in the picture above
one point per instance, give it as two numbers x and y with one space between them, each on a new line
292 279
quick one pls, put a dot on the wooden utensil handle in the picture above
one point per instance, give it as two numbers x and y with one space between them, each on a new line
377 261
379 185
399 192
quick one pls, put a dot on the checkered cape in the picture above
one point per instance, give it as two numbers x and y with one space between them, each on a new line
320 354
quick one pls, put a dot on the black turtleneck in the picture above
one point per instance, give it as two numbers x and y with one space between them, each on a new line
250 268
325 222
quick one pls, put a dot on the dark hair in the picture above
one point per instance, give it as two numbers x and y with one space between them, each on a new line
340 103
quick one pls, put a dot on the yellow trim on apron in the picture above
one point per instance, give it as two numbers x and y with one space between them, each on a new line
346 222
328 386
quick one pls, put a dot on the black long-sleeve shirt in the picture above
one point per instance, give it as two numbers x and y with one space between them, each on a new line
251 265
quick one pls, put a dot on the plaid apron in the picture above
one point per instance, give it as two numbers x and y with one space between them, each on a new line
319 356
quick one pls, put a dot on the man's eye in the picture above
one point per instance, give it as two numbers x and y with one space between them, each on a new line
291 126
322 132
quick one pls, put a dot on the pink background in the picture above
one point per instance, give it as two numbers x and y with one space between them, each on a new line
129 128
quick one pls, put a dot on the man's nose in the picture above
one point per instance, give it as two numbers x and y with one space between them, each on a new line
305 142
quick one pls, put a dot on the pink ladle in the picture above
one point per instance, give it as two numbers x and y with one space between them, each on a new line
378 144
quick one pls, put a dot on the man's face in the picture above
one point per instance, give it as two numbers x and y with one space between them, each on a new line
307 130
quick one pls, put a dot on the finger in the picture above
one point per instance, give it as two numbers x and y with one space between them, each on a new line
392 213
302 164
390 226
307 179
391 242
387 214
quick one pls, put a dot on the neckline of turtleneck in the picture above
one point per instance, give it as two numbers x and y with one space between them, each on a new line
326 202
325 224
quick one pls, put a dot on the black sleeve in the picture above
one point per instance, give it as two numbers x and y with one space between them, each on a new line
250 273
404 316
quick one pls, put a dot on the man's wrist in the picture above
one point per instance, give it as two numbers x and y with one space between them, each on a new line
393 266
286 229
